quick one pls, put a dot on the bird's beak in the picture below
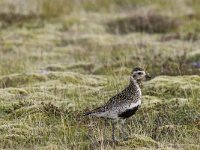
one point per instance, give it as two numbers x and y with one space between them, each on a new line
147 77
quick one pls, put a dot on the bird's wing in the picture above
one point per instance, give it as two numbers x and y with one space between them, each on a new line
114 101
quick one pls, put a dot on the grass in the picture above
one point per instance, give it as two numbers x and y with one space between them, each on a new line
65 58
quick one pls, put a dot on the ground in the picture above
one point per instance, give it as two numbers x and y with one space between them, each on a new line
58 60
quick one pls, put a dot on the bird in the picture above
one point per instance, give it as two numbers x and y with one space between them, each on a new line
125 103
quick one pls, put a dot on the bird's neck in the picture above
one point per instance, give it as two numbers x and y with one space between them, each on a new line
135 87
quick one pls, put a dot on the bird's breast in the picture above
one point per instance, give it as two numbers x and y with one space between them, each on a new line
135 104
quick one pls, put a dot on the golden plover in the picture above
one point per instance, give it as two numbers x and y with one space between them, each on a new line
124 104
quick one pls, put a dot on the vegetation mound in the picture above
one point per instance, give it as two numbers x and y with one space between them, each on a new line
61 58
150 22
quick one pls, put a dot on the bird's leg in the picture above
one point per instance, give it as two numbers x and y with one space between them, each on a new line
124 136
90 131
105 126
122 132
113 131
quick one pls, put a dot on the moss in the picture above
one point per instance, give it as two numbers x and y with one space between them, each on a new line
180 86
55 68
64 60
76 78
4 109
36 79
149 101
191 146
18 91
82 67
24 111
17 80
39 96
11 140
6 96
17 141
139 141
71 79
14 128
17 134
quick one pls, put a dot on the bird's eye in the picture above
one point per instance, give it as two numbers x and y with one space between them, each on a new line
139 73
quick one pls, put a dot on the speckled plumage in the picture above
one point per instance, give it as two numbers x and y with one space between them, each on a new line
124 104
128 100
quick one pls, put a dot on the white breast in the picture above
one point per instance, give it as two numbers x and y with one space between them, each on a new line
138 103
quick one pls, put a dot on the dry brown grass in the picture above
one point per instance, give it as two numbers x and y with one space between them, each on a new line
150 22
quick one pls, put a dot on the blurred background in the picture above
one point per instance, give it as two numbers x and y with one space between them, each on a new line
62 56
107 35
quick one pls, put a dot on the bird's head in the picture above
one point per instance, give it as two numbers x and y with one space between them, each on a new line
139 74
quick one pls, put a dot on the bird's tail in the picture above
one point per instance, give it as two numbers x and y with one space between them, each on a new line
87 113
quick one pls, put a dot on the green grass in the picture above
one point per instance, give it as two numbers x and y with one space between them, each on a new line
70 57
